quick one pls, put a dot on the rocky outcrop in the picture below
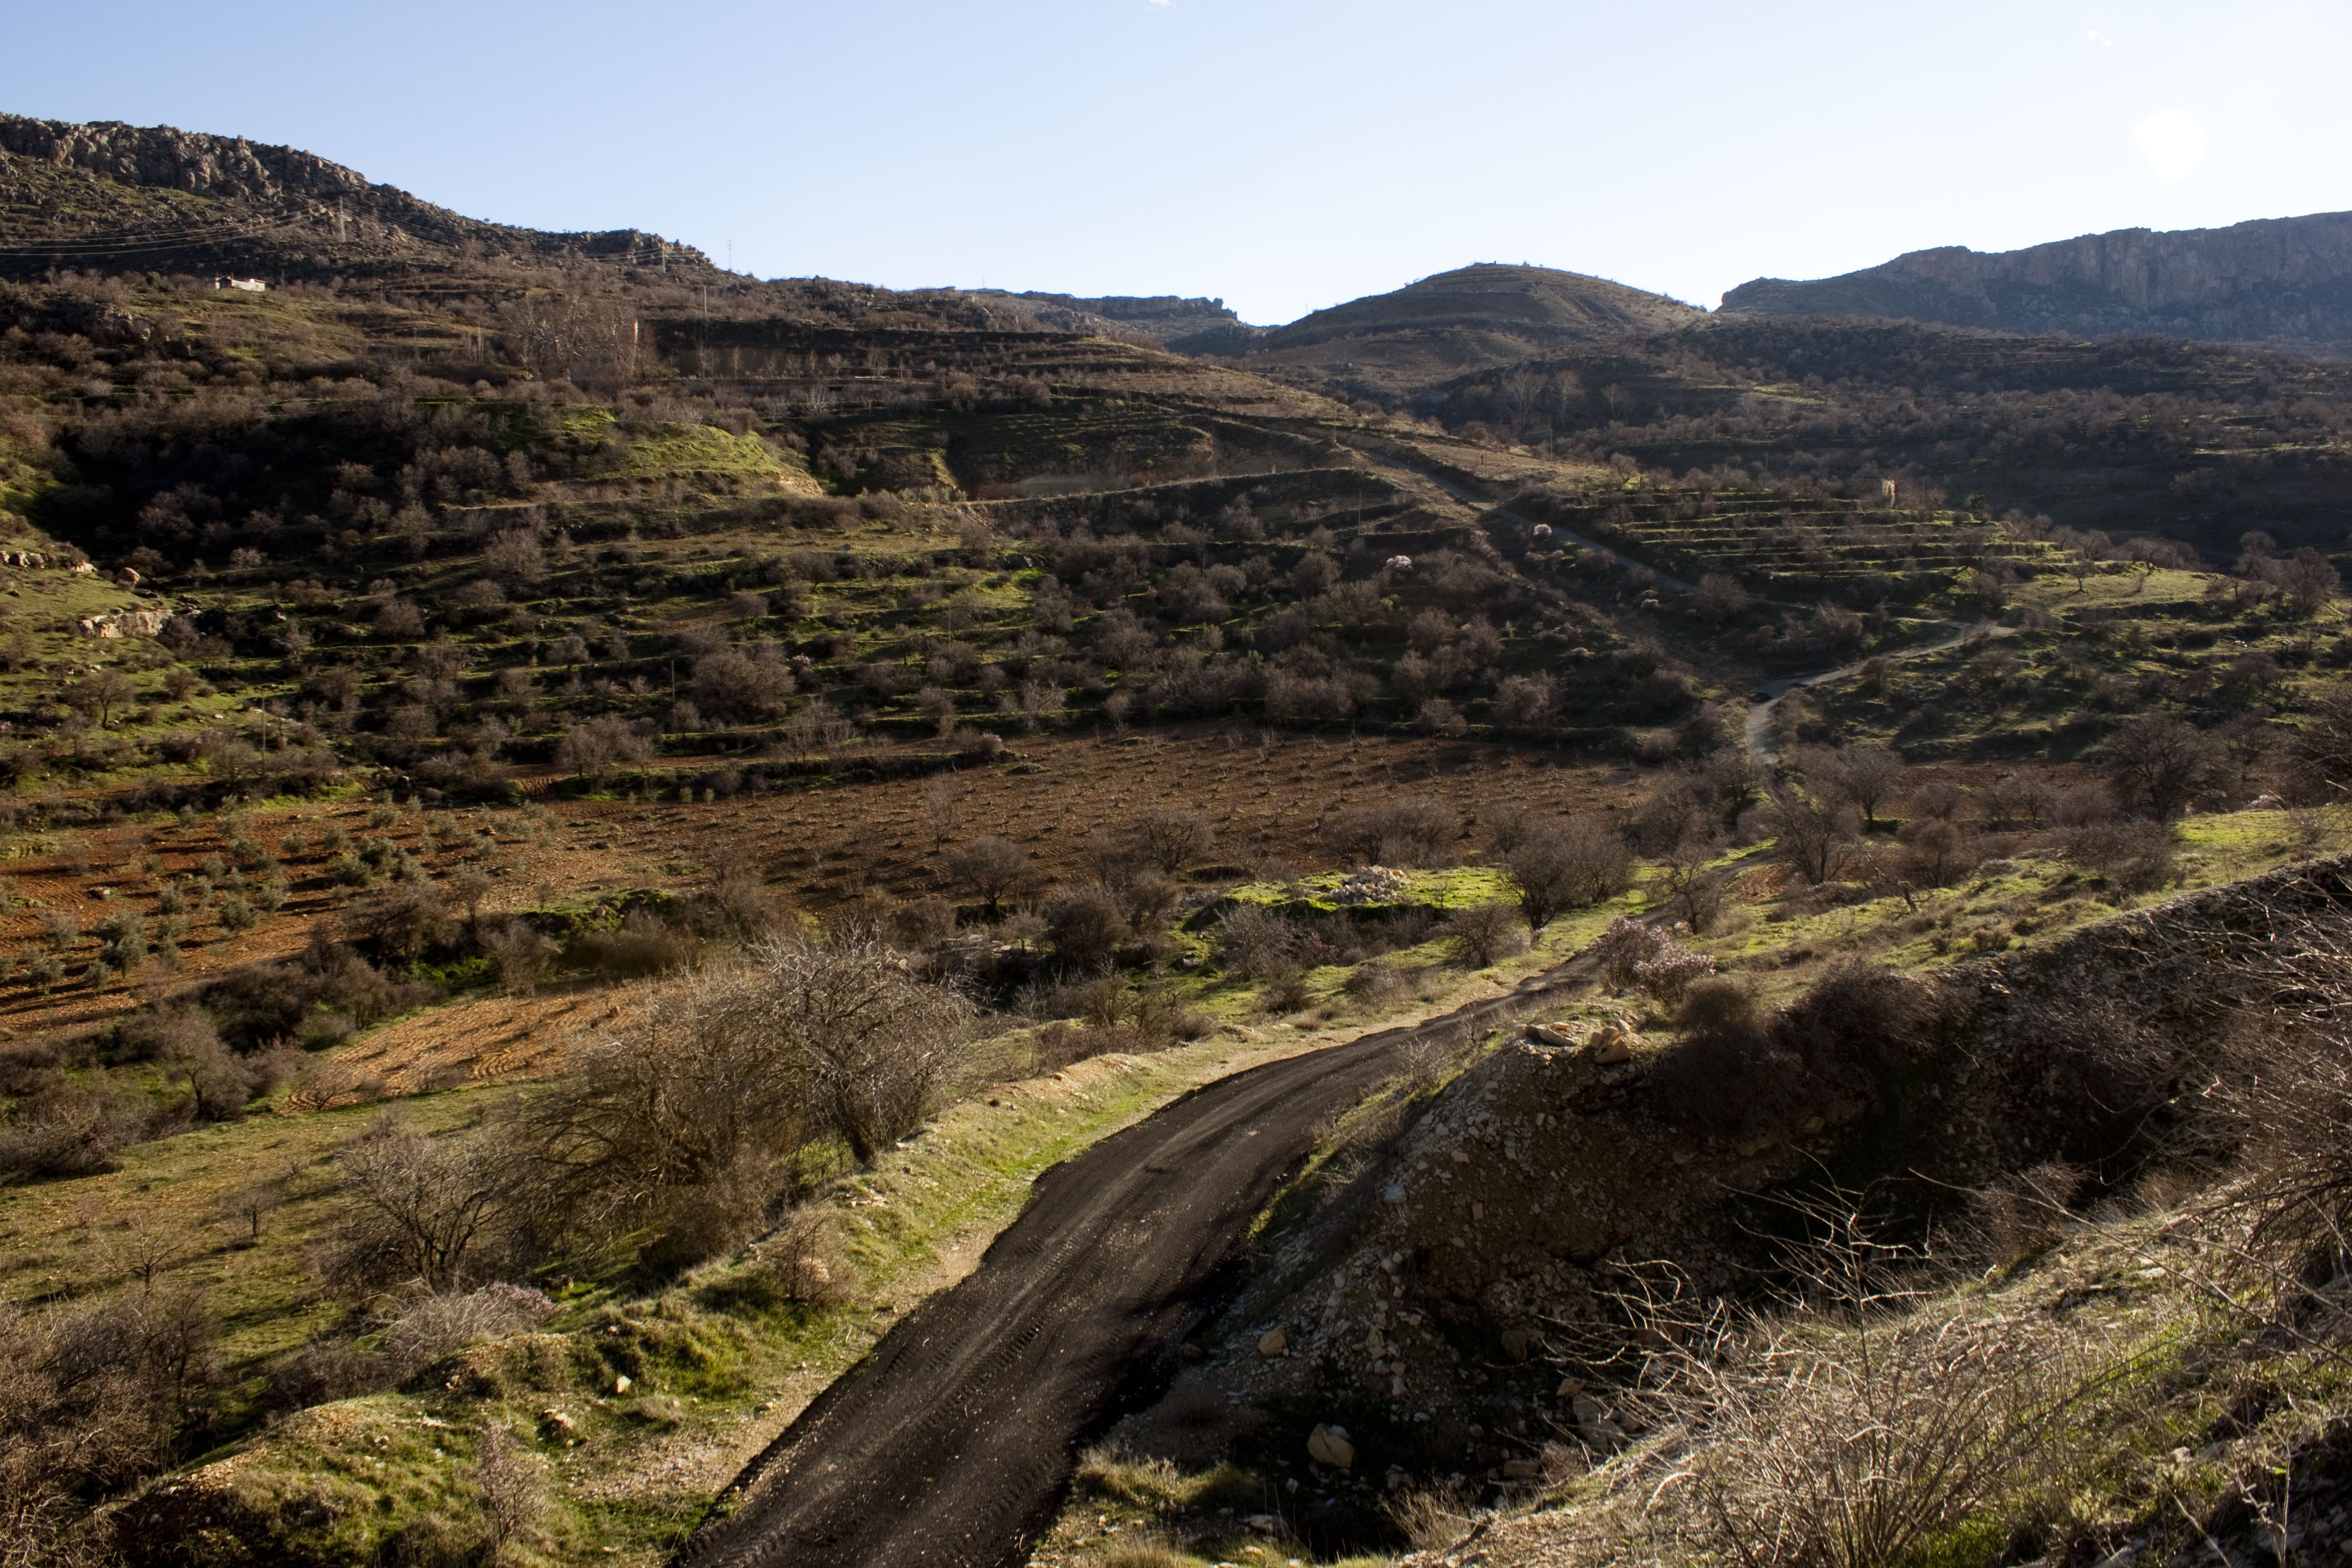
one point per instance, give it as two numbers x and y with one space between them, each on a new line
2284 281
300 201
114 625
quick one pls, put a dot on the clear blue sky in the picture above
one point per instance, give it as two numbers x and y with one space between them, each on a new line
1286 154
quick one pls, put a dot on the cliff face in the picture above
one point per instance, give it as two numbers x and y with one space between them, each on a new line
295 212
2284 281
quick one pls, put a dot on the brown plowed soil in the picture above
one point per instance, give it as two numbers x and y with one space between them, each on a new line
950 1444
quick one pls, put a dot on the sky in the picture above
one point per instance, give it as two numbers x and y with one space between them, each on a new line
1282 154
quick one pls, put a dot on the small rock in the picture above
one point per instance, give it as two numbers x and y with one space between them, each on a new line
1569 1388
557 1422
1521 1469
1272 1342
1329 1445
622 1383
1518 1343
1190 1354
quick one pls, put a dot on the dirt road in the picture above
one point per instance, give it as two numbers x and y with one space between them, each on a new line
950 1444
1762 746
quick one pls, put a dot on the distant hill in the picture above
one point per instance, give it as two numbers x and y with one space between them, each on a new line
2284 281
109 196
1463 321
1187 325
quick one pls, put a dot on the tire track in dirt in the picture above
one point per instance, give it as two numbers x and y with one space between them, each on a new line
950 1446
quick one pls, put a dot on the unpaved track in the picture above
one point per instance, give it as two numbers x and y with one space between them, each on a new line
1757 729
950 1444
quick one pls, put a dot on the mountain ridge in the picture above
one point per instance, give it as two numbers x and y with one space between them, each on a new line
109 192
2275 280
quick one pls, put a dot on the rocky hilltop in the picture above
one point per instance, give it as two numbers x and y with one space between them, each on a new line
2284 281
108 194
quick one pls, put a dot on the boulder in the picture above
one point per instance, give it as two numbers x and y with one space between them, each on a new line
1329 1445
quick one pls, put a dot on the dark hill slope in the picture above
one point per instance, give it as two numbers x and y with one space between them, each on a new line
109 196
2274 280
1187 325
1463 321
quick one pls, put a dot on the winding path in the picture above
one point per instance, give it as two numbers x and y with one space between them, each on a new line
1762 746
950 1444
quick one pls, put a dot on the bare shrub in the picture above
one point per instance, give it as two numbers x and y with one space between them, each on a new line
803 1262
2024 1213
644 945
1285 993
1482 935
1375 983
1170 838
743 1062
92 1398
1565 864
2136 853
1670 970
405 919
1253 942
1416 832
62 1130
1716 1004
1810 834
716 1216
510 1488
438 1325
1623 947
1935 851
522 956
418 1208
2285 1099
1871 1425
1086 925
1434 1517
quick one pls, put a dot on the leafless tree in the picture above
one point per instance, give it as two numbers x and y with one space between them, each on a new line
1482 934
1721 598
2320 753
1694 889
1809 835
1566 863
2157 762
1170 838
591 751
942 809
1415 832
1864 777
418 1207
101 695
994 869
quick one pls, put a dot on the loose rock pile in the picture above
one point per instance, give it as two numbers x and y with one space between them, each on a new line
1372 885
